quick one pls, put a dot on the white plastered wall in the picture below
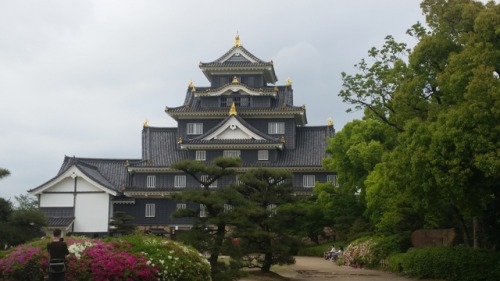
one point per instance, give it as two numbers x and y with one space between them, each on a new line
91 212
91 202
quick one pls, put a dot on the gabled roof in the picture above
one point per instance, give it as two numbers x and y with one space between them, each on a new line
311 143
236 87
239 59
233 131
281 106
110 174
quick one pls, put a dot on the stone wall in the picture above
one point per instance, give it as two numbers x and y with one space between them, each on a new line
433 237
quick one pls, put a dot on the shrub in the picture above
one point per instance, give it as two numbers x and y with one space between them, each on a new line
369 251
449 263
132 257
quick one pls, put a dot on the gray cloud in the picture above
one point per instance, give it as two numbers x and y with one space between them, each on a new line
80 77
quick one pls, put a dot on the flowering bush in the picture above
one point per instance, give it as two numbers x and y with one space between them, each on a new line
359 253
371 251
128 258
174 261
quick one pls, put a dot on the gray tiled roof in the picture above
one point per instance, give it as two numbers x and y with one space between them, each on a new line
311 145
59 222
110 173
231 64
282 104
159 145
265 90
243 50
310 148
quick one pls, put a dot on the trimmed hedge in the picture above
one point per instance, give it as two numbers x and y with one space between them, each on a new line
449 263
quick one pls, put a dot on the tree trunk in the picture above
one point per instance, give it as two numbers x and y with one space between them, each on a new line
268 261
462 225
215 251
475 232
268 255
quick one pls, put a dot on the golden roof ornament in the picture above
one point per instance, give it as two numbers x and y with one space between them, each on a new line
289 82
180 140
237 42
191 86
127 163
282 139
235 80
145 124
232 111
329 122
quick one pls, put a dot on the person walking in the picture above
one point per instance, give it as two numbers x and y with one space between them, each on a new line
58 250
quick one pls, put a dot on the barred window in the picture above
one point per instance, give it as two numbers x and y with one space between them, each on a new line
180 181
308 180
194 128
201 155
238 101
203 211
205 178
150 210
238 180
271 209
231 153
151 181
263 155
228 208
276 128
332 179
181 206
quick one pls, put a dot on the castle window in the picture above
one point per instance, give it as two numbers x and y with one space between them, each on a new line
201 155
205 179
271 208
231 153
332 179
180 181
194 128
151 181
238 180
203 211
238 101
263 155
150 210
308 180
276 128
181 206
228 208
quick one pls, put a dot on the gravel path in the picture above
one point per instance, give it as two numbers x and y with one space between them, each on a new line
319 269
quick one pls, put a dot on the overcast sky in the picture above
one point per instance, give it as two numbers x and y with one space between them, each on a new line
80 77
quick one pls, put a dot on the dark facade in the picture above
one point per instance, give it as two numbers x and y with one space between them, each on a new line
243 113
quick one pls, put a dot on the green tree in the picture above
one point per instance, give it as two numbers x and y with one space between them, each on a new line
18 225
265 214
445 167
120 223
26 202
4 173
212 227
341 209
355 151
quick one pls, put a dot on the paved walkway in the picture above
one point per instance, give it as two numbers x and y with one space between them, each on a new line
319 269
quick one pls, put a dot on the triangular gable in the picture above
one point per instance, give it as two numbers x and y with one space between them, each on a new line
71 172
232 129
237 54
